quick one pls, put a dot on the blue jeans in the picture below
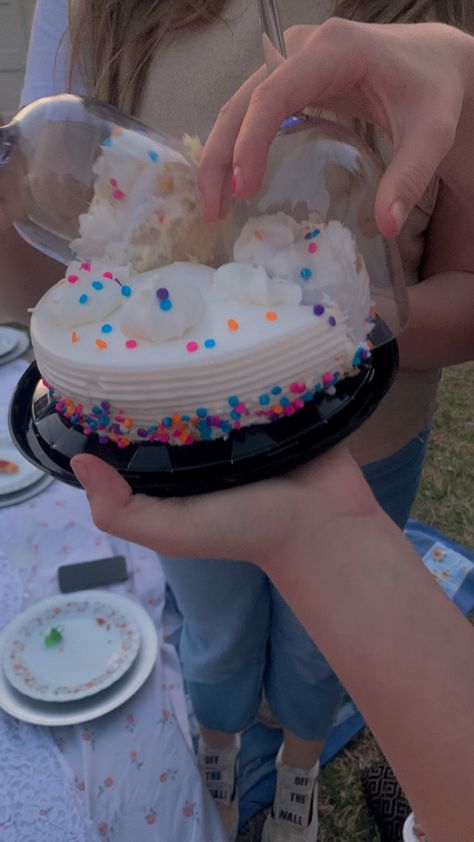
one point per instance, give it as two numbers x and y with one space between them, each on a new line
239 636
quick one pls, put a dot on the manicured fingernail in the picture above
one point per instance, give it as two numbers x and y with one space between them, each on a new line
82 472
237 182
399 214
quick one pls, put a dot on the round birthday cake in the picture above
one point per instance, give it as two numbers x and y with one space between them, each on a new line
186 351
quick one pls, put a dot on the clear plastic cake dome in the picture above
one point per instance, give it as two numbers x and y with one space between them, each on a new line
79 178
311 224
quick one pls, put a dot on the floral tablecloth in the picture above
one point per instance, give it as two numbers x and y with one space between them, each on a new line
129 775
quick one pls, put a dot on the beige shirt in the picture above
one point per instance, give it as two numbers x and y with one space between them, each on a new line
189 81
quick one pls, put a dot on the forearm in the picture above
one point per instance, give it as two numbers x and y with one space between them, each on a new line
403 651
25 274
440 331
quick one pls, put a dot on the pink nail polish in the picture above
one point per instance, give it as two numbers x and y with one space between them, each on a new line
399 214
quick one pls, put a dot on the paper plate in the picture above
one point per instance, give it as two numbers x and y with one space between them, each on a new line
73 713
70 647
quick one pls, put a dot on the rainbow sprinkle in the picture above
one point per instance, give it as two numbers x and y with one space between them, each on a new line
312 234
199 425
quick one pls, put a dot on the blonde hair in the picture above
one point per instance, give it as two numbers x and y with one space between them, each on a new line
113 41
121 36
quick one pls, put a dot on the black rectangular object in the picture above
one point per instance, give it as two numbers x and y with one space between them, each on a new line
92 574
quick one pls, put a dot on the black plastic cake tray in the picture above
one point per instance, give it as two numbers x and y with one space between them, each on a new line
49 441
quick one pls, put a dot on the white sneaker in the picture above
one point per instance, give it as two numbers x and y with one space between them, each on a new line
218 768
294 815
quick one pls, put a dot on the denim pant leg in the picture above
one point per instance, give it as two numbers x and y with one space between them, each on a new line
394 481
302 690
226 609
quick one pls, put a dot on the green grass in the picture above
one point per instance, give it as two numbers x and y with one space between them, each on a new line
445 501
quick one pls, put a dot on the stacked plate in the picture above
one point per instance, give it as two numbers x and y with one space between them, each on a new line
13 343
75 657
19 479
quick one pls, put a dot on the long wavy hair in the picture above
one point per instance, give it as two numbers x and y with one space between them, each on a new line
113 41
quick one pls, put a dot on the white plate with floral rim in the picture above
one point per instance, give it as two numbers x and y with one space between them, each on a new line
54 714
71 646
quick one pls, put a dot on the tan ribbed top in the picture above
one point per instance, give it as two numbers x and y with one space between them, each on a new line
189 81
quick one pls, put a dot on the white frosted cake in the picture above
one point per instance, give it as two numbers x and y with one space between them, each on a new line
185 352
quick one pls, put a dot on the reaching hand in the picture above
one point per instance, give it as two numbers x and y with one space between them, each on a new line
411 80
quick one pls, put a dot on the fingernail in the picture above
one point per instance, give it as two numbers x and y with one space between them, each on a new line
81 471
237 182
399 214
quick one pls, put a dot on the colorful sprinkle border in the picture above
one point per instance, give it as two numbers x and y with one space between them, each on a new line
200 425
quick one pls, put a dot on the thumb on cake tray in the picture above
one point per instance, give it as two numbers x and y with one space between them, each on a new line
385 75
259 522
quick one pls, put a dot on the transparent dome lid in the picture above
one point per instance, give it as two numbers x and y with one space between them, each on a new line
82 180
312 223
79 178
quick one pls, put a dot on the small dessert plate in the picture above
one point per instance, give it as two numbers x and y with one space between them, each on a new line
16 472
70 647
22 343
8 340
16 497
92 707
